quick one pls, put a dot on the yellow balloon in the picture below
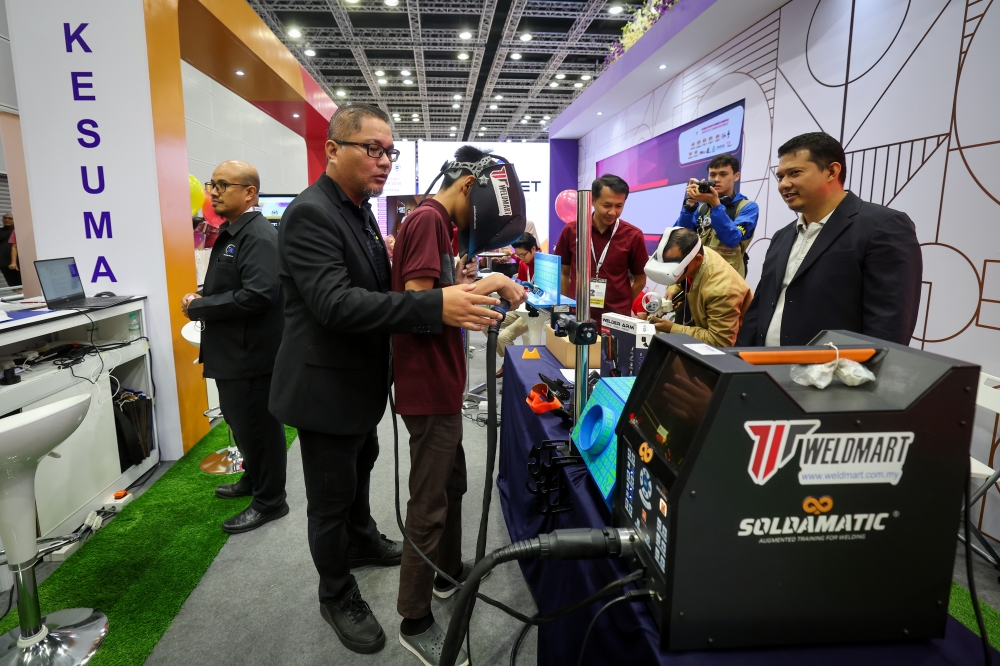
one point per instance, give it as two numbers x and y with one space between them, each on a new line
197 194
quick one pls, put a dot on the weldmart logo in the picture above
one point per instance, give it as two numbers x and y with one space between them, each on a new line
501 187
826 457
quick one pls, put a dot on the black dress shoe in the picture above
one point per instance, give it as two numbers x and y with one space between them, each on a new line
251 519
242 488
386 553
354 623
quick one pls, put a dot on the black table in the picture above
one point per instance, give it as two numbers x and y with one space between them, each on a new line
628 631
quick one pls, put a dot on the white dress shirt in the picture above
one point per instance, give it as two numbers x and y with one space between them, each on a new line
805 236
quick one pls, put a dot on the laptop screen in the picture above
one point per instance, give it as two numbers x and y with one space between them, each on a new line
60 279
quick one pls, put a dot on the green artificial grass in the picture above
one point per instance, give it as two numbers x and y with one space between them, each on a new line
142 566
960 607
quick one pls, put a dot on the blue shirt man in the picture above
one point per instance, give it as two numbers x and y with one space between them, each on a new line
724 220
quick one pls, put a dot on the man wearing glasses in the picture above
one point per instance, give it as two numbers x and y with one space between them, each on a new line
240 307
332 374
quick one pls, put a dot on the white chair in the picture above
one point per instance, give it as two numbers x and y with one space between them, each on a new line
987 397
66 637
224 461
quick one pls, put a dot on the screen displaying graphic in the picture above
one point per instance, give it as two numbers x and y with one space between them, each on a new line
548 274
402 179
273 206
59 278
657 171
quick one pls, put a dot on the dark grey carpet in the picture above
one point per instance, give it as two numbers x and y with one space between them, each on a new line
257 603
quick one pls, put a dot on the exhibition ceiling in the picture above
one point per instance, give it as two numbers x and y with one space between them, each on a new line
452 69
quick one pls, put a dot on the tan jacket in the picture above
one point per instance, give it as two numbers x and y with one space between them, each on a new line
718 301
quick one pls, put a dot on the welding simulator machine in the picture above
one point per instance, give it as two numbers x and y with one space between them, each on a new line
773 513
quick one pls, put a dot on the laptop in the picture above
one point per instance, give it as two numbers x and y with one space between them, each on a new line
63 289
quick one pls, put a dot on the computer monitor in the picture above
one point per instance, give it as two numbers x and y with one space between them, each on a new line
273 205
60 279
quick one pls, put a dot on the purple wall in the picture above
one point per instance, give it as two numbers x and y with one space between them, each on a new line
564 157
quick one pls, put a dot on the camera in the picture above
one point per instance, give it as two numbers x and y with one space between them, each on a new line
706 186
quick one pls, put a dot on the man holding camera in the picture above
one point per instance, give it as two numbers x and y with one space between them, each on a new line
724 219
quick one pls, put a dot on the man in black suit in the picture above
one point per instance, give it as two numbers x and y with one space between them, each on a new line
333 370
844 264
240 307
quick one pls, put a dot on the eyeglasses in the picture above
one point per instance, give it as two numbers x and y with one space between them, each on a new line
374 150
221 186
522 254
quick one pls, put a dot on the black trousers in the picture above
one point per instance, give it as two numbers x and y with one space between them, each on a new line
337 475
13 278
260 437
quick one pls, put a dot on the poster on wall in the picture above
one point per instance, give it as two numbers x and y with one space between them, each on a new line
657 171
530 159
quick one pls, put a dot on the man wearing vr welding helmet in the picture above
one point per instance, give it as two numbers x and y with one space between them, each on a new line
429 374
718 298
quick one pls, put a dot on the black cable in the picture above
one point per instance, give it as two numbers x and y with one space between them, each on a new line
145 477
634 595
972 583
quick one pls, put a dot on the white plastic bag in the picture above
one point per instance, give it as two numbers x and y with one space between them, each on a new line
820 375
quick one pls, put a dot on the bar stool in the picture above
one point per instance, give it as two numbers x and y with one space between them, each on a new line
224 461
66 637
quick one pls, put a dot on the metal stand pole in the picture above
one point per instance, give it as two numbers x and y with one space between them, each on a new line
583 259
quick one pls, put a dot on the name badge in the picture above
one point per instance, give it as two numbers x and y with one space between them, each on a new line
598 290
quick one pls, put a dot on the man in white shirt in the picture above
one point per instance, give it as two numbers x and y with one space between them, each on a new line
844 264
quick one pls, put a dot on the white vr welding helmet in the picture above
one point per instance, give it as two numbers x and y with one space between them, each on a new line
669 272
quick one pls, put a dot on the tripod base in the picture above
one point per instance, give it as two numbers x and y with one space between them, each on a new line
223 461
73 637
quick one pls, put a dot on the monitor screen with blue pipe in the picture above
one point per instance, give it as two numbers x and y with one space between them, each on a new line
548 278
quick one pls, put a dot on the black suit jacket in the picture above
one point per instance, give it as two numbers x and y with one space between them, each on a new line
861 274
241 301
332 371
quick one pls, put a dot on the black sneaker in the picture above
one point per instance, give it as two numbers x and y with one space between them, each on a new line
354 623
429 645
386 553
443 589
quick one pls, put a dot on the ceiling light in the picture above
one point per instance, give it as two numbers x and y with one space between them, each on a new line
480 134
498 97
524 141
560 76
309 52
456 106
577 85
354 2
294 33
239 72
379 72
524 122
585 77
528 117
545 117
615 10
295 115
553 85
541 122
452 134
515 56
453 129
407 82
482 129
391 3
404 72
663 66
463 56
508 140
493 107
465 34
341 93
526 37
382 82
416 120
457 97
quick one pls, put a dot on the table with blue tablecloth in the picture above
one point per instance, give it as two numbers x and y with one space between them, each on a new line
629 631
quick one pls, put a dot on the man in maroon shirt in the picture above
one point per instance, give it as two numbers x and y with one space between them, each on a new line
617 249
429 374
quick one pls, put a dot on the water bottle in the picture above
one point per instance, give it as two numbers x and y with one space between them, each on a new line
133 326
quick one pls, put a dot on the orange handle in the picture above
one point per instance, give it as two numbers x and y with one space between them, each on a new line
804 357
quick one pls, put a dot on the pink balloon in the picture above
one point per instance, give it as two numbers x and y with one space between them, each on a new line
566 206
